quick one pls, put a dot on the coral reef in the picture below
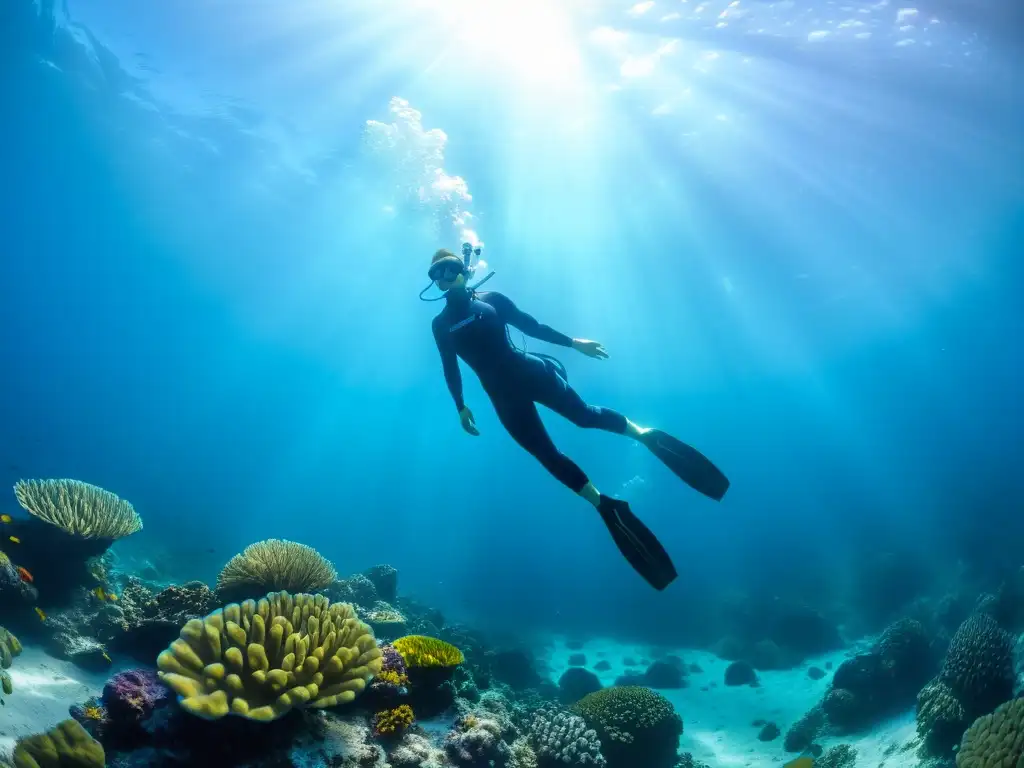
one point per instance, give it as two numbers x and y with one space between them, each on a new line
740 673
995 740
666 673
274 565
393 722
839 756
869 686
476 742
635 726
69 524
356 590
385 581
976 677
132 695
10 647
575 683
386 622
804 731
78 508
68 744
299 650
563 739
15 590
416 751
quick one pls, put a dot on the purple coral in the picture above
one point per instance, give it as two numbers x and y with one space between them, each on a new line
132 696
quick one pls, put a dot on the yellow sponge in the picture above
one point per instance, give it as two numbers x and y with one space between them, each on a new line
66 746
260 660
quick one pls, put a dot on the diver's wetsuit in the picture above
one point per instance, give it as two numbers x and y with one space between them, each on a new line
473 327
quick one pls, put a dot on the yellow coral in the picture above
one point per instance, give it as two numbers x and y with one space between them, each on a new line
92 712
393 720
394 678
421 651
9 648
66 745
6 684
78 508
260 660
276 564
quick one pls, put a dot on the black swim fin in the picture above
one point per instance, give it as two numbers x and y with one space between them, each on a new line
636 543
690 465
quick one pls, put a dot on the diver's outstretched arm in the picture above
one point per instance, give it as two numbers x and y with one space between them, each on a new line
509 313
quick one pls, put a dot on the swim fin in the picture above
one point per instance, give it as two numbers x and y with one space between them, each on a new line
689 464
636 543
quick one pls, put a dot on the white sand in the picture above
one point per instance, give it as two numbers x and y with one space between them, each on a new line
44 689
717 722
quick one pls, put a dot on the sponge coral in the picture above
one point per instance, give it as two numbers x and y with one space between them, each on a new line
67 744
273 565
635 725
260 660
78 508
995 740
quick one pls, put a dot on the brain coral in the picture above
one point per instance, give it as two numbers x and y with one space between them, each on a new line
995 740
260 660
635 726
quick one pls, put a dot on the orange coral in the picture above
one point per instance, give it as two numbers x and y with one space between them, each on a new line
393 721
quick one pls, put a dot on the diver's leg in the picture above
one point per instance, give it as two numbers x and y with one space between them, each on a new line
635 541
520 418
554 392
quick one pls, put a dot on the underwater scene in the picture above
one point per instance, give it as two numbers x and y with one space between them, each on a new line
512 383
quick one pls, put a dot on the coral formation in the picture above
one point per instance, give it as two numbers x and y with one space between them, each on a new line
575 683
10 647
740 673
385 580
561 738
976 677
78 508
666 674
421 652
67 744
476 742
839 756
392 722
804 731
995 740
260 660
274 565
357 590
132 695
636 726
384 620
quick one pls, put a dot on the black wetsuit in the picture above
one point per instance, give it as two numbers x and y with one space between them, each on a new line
473 327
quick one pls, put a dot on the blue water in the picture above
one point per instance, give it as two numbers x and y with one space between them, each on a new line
801 246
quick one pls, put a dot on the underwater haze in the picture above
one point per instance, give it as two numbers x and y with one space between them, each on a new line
796 226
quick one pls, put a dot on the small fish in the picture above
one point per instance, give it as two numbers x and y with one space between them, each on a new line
100 594
106 657
40 614
14 539
112 597
801 762
25 575
6 519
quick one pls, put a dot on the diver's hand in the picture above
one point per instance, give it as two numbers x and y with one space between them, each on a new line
590 348
468 422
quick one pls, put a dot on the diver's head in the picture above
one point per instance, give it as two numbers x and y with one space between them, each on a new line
448 271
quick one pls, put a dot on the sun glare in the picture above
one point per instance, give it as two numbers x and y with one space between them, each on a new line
531 39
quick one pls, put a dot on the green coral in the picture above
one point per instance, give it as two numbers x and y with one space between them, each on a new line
995 740
273 565
78 508
636 726
6 684
260 660
66 746
9 648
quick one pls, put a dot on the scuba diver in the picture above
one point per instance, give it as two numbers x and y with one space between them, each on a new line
474 326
